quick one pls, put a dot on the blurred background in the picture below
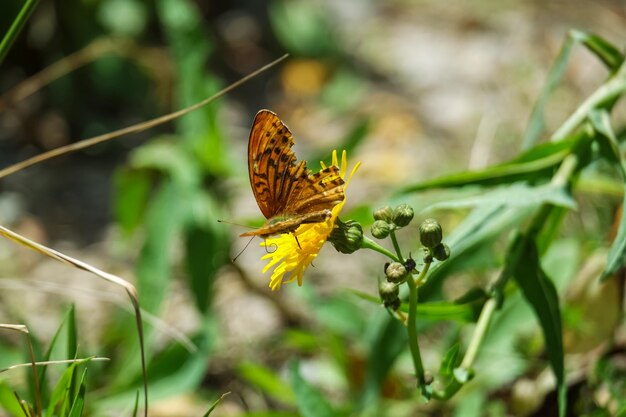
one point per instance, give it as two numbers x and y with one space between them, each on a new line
412 89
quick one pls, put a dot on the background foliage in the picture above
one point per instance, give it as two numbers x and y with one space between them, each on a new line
498 120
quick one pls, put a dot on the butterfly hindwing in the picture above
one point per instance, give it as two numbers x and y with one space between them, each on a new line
317 192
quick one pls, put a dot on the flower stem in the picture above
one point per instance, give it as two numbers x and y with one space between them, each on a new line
396 246
368 243
412 330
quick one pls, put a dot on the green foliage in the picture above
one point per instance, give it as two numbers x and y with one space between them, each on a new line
173 189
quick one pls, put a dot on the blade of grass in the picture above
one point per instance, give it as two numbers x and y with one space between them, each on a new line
24 329
139 127
128 287
215 404
16 27
79 400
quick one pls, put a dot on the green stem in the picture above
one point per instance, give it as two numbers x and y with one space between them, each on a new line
368 243
479 333
396 246
472 350
16 27
412 332
605 93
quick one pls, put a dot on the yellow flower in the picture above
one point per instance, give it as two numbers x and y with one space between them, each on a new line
293 259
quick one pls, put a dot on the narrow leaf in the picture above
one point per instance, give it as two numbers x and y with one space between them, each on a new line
539 291
609 143
79 399
267 381
533 164
215 404
536 124
516 195
311 403
607 52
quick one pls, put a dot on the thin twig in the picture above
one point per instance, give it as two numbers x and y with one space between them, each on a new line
131 129
62 67
57 362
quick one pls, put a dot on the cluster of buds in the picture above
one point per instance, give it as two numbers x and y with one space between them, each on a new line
388 220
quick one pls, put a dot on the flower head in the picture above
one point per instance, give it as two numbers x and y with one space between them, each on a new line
294 256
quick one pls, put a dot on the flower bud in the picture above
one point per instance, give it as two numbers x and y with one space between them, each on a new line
381 229
430 233
441 252
402 215
389 294
346 237
384 213
395 272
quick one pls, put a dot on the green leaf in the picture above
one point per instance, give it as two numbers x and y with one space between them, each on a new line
450 361
79 400
515 195
191 46
478 230
617 252
609 144
267 381
536 124
310 401
388 340
302 28
166 156
522 263
132 187
207 246
607 52
215 404
72 339
61 390
8 402
462 310
203 258
536 163
69 326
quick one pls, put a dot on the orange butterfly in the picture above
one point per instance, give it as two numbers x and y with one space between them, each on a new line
285 190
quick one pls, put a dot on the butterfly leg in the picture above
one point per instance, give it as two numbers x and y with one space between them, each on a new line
297 241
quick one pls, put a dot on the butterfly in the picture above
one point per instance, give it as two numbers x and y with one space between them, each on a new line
287 193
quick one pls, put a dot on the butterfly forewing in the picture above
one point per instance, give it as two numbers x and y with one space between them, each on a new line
284 188
270 160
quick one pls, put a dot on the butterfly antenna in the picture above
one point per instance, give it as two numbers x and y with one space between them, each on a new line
242 251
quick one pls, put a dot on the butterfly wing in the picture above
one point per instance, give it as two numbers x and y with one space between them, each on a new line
272 164
316 192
